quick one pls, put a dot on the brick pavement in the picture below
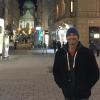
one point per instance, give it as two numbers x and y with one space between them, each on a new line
29 77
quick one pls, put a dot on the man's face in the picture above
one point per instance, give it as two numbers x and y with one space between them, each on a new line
72 39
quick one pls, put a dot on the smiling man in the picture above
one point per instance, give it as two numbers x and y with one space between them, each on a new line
75 68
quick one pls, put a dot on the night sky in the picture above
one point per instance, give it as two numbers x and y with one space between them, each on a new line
21 2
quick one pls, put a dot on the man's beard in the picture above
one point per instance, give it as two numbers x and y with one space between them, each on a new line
73 43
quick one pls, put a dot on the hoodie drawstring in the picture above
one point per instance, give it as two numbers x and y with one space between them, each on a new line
73 61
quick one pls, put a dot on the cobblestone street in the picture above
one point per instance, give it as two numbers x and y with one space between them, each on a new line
29 77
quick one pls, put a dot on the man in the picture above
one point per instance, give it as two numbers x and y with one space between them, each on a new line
75 68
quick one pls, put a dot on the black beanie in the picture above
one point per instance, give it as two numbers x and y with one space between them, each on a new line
72 30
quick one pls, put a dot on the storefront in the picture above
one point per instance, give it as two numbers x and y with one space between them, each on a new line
61 33
94 37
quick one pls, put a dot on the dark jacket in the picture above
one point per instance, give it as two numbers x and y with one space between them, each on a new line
85 72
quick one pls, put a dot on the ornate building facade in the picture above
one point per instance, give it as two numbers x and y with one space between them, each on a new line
27 20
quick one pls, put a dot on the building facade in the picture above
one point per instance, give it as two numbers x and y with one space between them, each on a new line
1 8
11 14
27 19
43 13
83 14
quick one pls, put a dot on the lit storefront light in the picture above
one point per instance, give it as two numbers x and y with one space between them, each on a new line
38 28
39 32
97 36
62 35
47 39
61 32
1 35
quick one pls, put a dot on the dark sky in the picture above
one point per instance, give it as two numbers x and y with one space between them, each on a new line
21 2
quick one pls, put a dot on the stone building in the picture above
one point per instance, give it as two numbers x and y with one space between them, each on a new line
1 8
27 19
43 13
83 14
9 11
11 14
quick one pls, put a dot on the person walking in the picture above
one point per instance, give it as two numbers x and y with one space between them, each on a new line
97 49
58 45
75 69
54 45
15 45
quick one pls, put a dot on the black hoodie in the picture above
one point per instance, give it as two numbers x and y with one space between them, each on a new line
78 81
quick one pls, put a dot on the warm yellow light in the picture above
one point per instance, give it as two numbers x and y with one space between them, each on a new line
71 6
19 29
30 31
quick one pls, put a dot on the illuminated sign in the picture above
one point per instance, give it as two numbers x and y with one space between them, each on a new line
1 34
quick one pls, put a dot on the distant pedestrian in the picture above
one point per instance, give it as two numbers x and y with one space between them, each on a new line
97 49
15 45
63 44
54 45
75 68
58 45
44 48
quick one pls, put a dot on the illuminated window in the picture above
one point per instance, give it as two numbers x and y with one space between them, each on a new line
71 6
57 10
